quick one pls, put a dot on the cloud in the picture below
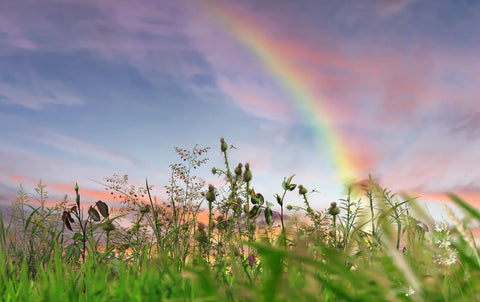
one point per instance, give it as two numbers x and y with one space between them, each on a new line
77 147
39 95
388 7
255 99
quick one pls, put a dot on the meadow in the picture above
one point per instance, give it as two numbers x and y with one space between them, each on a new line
231 243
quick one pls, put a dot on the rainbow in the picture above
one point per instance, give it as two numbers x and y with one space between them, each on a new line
310 106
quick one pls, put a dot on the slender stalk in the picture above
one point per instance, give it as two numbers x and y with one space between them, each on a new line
284 234
399 231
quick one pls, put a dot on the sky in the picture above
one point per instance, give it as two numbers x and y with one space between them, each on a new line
325 90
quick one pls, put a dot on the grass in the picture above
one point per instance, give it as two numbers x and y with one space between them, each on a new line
368 246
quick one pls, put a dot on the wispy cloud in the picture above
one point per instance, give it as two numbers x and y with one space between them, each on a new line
75 146
392 6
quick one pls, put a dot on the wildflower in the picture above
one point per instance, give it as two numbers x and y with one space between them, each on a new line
447 255
409 292
251 260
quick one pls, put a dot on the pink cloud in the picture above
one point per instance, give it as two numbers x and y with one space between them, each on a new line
472 198
90 195
17 178
255 99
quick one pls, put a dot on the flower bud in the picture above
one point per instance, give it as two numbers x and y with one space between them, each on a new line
238 170
210 194
247 175
289 207
223 145
201 237
333 210
214 170
108 226
302 190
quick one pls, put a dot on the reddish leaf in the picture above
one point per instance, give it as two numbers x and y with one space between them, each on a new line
68 225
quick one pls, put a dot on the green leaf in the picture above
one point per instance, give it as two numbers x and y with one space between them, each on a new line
103 208
292 187
268 215
69 252
78 237
258 199
76 252
254 212
252 193
279 199
94 214
464 205
289 180
286 183
269 204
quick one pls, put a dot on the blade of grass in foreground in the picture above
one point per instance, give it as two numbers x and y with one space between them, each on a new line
464 205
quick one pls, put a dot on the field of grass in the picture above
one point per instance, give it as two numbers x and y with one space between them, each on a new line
231 244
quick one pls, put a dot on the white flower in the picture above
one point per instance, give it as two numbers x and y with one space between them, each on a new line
409 292
442 228
443 244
